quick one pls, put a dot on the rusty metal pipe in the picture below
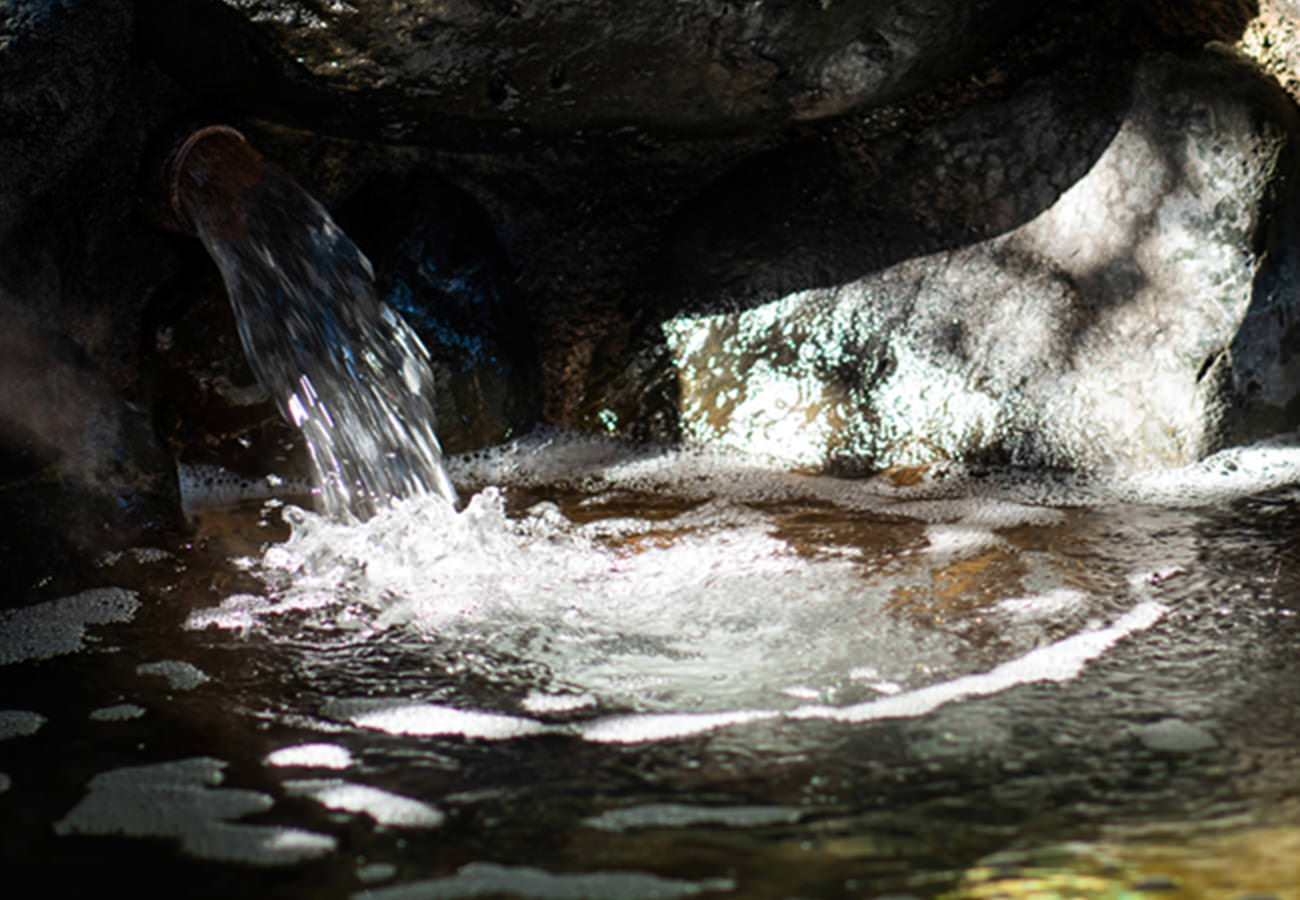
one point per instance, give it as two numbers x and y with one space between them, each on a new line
202 174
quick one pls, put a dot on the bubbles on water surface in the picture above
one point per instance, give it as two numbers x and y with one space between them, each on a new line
644 652
607 581
701 610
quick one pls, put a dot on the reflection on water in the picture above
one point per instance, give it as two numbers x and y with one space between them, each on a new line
635 673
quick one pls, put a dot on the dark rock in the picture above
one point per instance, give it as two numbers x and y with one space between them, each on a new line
1143 316
428 70
81 469
62 65
207 404
439 266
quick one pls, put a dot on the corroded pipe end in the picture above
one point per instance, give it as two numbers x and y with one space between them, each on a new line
204 164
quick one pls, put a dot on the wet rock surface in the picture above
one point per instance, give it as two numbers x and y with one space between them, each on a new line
1135 307
441 268
425 70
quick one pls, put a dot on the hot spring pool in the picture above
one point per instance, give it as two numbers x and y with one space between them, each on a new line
636 673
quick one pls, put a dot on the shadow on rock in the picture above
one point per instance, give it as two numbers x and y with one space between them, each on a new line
1126 281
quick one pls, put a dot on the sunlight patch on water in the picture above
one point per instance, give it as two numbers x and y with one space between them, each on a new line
1171 860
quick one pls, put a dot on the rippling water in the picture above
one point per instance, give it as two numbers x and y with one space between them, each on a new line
642 672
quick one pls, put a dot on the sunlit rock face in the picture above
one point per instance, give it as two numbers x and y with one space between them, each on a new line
424 67
1144 316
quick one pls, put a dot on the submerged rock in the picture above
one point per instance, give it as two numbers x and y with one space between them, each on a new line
1145 316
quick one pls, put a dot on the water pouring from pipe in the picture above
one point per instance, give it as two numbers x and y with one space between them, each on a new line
341 365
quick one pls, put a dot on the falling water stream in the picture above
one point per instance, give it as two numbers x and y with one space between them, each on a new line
340 364
649 672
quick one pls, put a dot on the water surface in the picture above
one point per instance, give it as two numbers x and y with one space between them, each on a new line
646 672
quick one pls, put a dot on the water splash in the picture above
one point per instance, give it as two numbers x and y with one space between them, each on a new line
339 363
686 588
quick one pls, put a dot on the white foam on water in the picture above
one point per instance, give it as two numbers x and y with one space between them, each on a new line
541 703
434 720
373 873
311 756
679 815
943 491
957 541
1225 476
490 879
1060 661
1056 662
430 720
56 627
244 612
701 612
180 675
150 554
1047 607
15 723
121 712
647 727
705 617
183 800
1175 736
387 809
